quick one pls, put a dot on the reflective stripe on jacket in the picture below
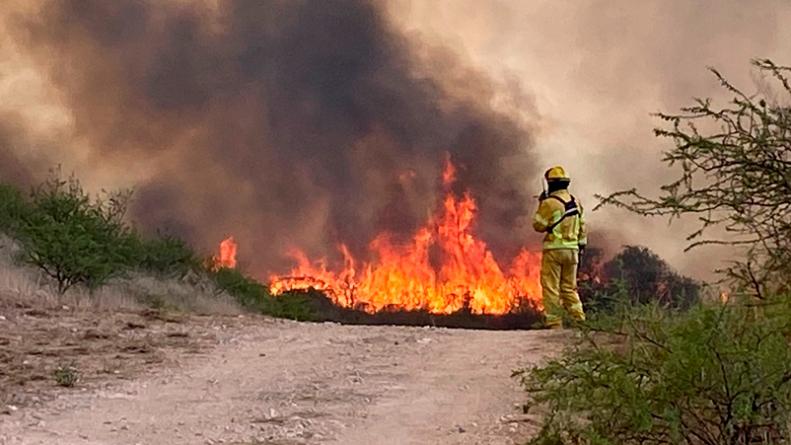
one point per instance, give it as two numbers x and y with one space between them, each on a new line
570 232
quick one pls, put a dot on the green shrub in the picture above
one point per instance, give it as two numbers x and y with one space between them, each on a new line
718 374
166 255
295 306
255 296
76 239
247 291
13 209
66 375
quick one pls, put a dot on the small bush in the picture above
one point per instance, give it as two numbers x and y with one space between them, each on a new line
166 255
247 291
13 209
66 376
73 238
711 375
255 296
77 239
294 306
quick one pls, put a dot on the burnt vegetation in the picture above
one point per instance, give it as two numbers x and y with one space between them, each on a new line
323 309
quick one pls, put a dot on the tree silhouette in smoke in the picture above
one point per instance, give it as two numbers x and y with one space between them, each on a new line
637 274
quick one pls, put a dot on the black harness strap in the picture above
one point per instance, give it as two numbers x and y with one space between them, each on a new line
570 207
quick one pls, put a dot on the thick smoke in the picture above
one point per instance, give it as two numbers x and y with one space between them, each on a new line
308 123
285 123
598 69
12 170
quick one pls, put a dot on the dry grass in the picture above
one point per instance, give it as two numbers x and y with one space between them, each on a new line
49 341
193 294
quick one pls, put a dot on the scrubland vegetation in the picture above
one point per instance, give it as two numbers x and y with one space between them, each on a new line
647 370
656 364
80 241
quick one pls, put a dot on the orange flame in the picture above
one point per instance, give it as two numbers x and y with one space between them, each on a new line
227 258
402 276
449 173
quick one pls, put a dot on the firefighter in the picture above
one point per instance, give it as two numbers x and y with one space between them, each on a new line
560 217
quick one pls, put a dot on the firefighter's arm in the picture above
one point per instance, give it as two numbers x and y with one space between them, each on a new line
582 236
544 216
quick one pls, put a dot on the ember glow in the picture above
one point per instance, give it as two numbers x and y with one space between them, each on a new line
402 276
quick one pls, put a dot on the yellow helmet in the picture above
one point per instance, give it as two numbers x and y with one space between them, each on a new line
556 173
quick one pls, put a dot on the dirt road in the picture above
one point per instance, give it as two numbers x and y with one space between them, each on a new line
282 383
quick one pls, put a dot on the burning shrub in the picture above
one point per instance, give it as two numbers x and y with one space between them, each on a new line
717 374
444 268
322 307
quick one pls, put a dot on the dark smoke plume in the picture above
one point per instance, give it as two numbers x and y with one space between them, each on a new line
14 170
285 123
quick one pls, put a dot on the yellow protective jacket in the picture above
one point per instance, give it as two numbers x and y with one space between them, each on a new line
570 232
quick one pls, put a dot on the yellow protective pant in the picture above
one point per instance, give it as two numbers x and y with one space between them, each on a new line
559 286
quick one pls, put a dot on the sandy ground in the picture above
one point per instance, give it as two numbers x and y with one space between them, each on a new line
149 379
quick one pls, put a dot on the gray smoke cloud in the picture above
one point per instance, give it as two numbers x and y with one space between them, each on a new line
285 123
12 170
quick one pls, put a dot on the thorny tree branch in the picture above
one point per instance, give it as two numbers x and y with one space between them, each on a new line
735 176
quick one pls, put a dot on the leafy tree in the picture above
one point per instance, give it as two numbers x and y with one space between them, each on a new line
166 255
76 239
735 177
13 209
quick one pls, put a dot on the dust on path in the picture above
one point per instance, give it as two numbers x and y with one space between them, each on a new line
285 383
